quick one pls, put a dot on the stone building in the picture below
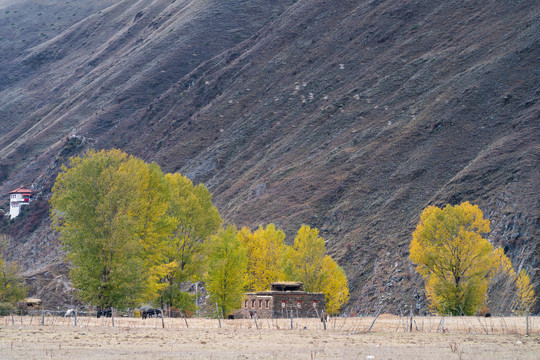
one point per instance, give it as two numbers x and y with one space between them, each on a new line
282 299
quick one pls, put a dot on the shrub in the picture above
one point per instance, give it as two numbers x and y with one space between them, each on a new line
6 308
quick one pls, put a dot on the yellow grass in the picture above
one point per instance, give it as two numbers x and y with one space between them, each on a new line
385 323
92 338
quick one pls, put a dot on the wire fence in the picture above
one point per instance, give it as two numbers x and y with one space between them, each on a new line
384 323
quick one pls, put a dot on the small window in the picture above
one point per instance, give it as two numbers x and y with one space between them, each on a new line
245 303
260 303
252 303
267 303
299 304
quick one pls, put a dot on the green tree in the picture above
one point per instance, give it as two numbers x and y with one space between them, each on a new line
194 218
177 299
306 262
266 253
109 209
456 262
227 262
12 288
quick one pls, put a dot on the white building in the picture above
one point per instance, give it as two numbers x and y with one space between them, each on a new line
17 198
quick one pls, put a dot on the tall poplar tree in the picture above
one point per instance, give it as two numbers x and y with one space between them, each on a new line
227 261
455 260
266 254
108 208
194 219
306 262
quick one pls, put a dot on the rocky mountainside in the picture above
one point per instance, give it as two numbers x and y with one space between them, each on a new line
350 116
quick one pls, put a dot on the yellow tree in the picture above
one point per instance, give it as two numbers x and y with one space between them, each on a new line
305 259
335 287
266 252
306 262
525 293
454 259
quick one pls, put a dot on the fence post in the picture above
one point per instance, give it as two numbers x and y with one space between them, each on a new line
20 312
42 316
376 316
185 319
255 319
219 320
75 317
291 319
112 316
410 326
527 321
162 320
324 319
12 319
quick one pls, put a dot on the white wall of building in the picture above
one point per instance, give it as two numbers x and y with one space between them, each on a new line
15 203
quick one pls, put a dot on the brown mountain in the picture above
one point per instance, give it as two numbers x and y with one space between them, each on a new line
350 116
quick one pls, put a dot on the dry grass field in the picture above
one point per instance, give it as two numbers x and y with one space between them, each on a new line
345 338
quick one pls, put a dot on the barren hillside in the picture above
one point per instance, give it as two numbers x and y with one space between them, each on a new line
350 116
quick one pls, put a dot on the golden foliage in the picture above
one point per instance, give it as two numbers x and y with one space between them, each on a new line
501 265
336 287
454 259
306 262
525 293
266 251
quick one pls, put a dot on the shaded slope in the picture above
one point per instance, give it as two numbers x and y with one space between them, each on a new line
104 68
356 130
349 116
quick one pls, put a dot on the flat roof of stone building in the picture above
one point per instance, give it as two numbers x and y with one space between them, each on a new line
287 286
271 292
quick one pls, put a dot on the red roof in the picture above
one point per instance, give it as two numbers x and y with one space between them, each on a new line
22 190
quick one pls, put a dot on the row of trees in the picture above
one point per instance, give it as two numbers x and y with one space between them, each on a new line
134 234
245 260
458 264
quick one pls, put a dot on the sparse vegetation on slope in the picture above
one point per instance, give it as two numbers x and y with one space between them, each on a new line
349 116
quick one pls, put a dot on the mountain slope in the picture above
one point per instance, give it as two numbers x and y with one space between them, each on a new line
349 116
